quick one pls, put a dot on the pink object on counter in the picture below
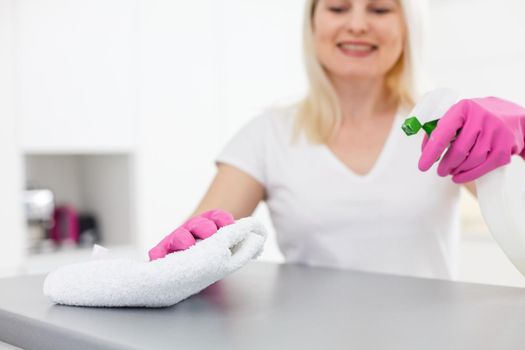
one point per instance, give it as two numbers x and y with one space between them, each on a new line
65 224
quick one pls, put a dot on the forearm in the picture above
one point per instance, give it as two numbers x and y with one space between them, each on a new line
232 190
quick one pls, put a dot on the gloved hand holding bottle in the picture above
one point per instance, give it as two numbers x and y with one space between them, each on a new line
200 226
485 132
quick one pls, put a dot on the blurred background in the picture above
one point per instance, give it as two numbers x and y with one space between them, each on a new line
112 111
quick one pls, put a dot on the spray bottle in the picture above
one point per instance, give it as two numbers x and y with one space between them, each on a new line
501 192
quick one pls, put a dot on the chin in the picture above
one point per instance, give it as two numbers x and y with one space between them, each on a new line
360 74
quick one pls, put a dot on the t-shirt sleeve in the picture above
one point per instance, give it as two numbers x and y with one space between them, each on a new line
247 149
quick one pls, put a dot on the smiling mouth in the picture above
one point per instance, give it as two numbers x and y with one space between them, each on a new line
357 47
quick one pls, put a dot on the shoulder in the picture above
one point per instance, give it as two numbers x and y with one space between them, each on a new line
279 122
273 126
275 123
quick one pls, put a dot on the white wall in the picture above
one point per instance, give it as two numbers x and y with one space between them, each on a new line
61 174
76 74
476 47
179 108
208 67
12 242
112 196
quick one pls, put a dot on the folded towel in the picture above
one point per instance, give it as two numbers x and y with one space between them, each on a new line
163 282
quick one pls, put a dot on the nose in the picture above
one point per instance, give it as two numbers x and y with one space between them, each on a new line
357 23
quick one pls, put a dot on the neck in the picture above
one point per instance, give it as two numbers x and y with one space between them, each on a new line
362 100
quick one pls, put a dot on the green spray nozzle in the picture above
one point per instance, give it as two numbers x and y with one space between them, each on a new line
412 125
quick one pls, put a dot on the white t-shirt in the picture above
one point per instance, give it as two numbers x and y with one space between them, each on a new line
395 219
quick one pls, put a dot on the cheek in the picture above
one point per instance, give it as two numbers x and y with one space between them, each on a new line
392 41
323 42
325 30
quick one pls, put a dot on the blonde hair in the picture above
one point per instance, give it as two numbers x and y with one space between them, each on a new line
319 114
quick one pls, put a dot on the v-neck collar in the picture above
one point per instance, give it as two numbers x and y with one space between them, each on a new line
385 153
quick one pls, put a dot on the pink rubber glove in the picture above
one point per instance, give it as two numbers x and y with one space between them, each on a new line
200 226
492 130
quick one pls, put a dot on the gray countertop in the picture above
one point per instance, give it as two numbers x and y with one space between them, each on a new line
270 306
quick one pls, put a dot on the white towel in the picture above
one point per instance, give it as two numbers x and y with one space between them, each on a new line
160 283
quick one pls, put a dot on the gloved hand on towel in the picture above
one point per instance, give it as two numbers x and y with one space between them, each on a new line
491 130
200 226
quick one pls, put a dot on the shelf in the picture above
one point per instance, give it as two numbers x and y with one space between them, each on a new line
98 185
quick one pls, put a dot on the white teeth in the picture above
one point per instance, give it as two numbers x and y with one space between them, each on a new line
357 47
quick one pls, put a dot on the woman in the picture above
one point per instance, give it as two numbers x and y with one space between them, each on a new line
338 176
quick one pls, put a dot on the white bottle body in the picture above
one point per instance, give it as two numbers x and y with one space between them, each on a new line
501 197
